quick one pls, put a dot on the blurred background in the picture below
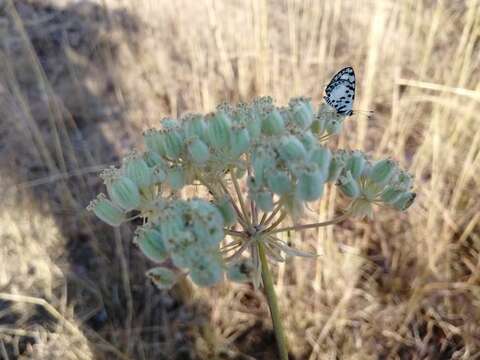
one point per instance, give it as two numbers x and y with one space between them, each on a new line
80 80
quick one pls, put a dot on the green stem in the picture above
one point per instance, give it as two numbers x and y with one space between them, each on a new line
235 233
241 220
266 220
272 229
276 223
239 196
272 303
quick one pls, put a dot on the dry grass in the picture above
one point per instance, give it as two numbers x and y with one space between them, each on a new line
79 80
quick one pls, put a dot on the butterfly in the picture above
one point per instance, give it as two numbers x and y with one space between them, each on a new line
340 92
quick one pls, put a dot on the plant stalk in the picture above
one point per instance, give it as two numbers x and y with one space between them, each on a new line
272 229
272 303
239 196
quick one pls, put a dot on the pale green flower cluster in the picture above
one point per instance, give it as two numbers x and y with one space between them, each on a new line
380 182
277 153
289 165
189 233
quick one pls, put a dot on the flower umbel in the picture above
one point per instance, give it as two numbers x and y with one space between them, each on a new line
381 182
275 155
257 165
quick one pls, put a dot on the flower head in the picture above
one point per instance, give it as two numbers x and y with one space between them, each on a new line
277 154
382 183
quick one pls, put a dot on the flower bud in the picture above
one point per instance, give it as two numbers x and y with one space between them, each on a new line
153 159
307 102
254 126
404 180
137 170
209 235
254 184
302 114
310 185
159 174
226 108
206 222
249 118
226 209
279 182
325 110
349 185
261 162
356 163
308 140
185 257
391 194
207 271
106 211
286 116
366 169
240 141
171 228
337 164
195 125
382 171
198 150
262 103
162 277
123 192
322 157
150 242
241 271
176 177
264 200
404 201
240 115
291 149
173 143
318 125
169 123
218 130
333 126
272 123
155 141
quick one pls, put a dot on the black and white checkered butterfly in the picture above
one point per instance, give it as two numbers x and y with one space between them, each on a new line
340 92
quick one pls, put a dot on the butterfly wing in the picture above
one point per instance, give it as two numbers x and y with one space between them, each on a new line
340 92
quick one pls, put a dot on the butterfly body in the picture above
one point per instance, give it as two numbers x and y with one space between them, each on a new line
340 92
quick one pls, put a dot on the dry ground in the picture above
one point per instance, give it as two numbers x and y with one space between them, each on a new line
79 80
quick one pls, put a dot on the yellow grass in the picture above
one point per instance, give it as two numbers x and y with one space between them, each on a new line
80 80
